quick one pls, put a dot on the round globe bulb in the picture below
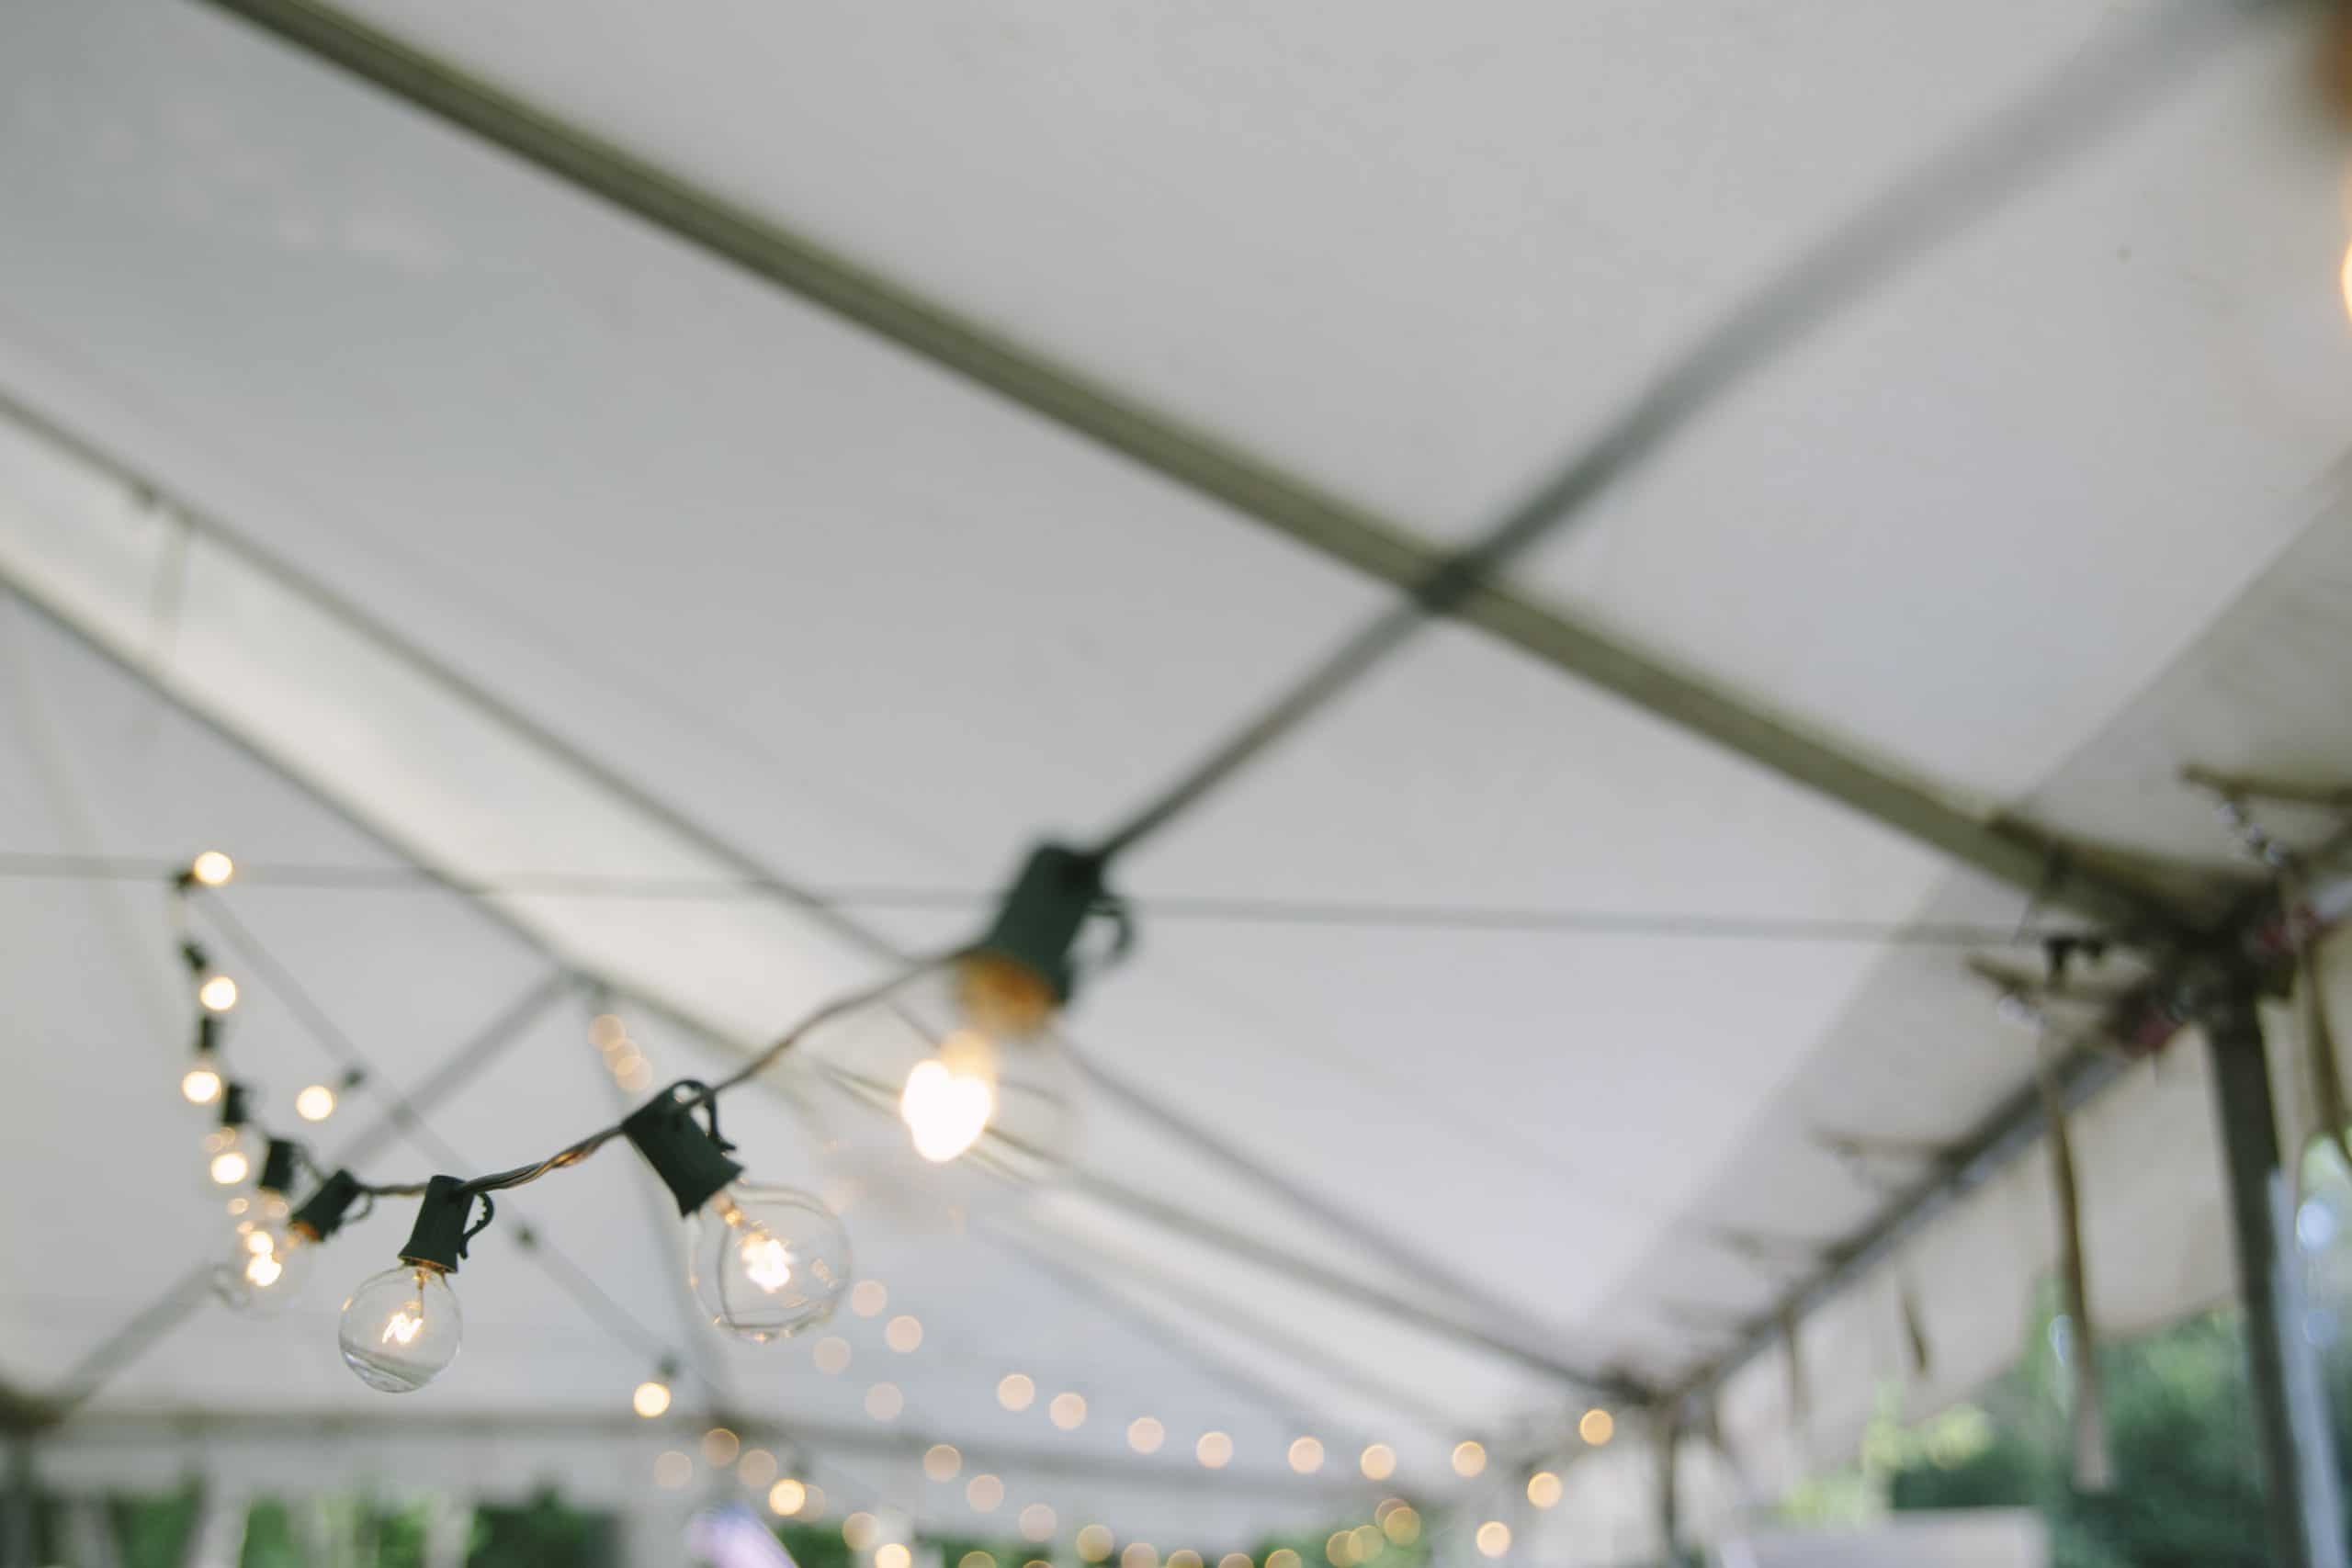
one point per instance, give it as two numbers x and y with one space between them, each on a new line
651 1398
219 993
766 1262
229 1167
315 1103
200 1084
400 1328
213 868
265 1271
946 1094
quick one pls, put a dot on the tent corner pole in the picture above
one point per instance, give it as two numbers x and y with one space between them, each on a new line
2303 1505
18 1535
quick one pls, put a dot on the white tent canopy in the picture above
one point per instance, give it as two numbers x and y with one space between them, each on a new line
489 531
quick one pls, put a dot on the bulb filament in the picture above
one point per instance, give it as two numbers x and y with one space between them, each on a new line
767 1262
403 1324
950 1099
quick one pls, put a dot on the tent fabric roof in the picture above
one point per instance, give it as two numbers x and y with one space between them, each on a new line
2049 517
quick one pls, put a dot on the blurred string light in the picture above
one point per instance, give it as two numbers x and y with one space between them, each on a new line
651 1398
406 1329
764 1262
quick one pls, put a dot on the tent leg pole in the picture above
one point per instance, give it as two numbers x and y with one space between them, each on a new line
2304 1511
1669 1495
16 1538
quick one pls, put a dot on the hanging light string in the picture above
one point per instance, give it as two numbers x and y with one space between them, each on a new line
595 1302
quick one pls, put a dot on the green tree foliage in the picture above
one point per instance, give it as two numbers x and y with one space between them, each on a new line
2188 1489
816 1546
544 1533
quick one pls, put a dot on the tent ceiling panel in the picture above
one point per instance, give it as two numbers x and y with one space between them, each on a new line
2105 351
878 628
1529 218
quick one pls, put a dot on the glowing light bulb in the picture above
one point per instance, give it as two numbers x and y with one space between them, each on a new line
400 1328
1597 1427
200 1084
1494 1539
1378 1462
651 1398
766 1262
1544 1489
949 1098
1469 1458
315 1103
945 1094
218 993
786 1497
213 868
229 1168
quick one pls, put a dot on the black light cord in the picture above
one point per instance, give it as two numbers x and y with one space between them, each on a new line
700 1095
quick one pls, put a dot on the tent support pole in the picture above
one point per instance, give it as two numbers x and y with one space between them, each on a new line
1669 1495
17 1540
2303 1509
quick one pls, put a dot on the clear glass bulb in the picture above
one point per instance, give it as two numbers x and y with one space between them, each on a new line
264 1270
228 1159
945 1093
400 1328
766 1262
200 1084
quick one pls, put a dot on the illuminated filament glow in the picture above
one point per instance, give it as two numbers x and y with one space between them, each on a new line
265 1271
403 1324
219 993
950 1098
201 1085
230 1168
767 1262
